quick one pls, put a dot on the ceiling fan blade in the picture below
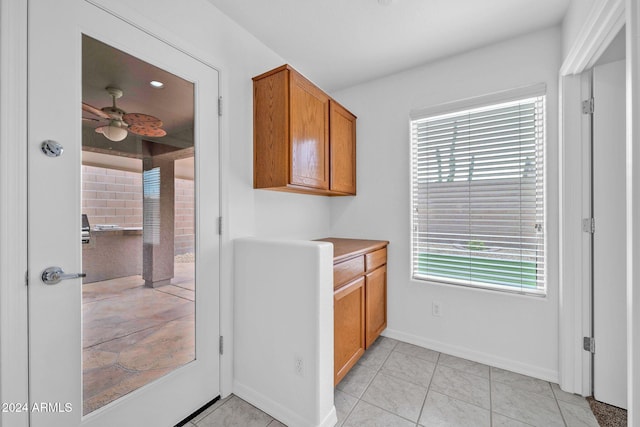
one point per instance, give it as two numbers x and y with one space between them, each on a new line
95 111
90 119
142 119
147 130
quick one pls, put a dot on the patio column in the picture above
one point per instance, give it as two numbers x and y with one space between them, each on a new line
158 209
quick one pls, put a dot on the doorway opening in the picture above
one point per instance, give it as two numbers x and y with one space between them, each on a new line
607 178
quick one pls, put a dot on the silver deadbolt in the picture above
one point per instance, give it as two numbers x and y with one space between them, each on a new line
52 148
54 275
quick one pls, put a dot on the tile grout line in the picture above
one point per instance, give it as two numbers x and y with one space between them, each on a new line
174 295
491 380
135 332
220 406
558 405
120 293
435 366
490 397
387 411
365 390
464 400
376 374
522 390
525 390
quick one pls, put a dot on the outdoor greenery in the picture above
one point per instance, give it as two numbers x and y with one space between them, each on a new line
495 271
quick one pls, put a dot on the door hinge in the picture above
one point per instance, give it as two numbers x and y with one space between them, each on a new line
589 225
219 106
26 278
221 345
589 344
588 106
220 225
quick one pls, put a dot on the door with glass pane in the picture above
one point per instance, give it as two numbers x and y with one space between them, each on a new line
123 201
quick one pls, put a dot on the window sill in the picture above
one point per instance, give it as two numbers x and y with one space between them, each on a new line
461 286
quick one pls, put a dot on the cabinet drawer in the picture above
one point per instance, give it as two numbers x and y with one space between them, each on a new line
347 270
376 258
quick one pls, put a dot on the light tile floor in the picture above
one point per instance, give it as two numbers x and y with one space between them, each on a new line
396 384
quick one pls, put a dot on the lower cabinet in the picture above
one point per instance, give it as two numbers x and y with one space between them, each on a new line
349 327
359 299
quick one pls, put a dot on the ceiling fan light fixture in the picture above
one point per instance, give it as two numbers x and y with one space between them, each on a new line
121 123
156 84
113 132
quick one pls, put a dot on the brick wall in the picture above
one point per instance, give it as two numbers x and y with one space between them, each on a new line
111 196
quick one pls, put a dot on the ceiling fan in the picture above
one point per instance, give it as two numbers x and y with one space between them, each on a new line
121 123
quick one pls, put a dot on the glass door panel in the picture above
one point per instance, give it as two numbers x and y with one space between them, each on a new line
138 208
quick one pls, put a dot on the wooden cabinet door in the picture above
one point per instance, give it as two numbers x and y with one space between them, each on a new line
271 130
376 303
349 333
342 126
309 133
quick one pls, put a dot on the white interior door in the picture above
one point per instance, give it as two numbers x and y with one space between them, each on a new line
609 253
73 331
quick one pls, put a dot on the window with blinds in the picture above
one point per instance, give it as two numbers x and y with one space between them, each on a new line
478 197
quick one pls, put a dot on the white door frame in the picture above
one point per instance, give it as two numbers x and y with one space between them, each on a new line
13 199
633 210
603 23
13 215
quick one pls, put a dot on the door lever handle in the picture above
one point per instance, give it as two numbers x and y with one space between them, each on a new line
54 275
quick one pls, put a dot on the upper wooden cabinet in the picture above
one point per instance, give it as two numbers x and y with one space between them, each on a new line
342 125
303 141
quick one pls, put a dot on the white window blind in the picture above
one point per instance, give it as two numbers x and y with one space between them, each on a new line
478 197
151 203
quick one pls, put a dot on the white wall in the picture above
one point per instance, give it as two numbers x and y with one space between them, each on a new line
511 331
283 314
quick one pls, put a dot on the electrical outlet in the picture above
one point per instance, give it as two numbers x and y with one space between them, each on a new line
436 308
299 366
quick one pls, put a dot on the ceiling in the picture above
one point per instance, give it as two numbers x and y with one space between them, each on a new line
340 43
104 66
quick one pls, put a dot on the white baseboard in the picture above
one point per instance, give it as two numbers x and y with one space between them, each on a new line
279 412
476 356
331 419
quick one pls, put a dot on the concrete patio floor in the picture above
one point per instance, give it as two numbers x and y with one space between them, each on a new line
133 335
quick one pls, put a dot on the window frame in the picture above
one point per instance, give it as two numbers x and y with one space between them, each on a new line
496 98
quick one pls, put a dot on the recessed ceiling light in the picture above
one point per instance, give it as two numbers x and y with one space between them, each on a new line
386 2
156 84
